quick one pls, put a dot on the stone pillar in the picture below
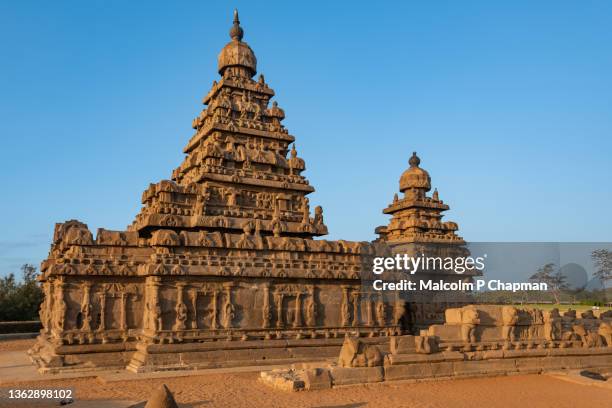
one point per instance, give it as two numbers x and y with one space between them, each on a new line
279 310
45 311
344 308
102 325
297 321
355 308
213 322
311 312
369 320
193 296
123 317
398 311
152 308
381 317
180 308
228 308
86 307
266 306
59 310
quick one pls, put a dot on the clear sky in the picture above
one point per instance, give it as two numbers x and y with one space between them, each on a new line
508 104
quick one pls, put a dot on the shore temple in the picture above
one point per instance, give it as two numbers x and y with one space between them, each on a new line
223 265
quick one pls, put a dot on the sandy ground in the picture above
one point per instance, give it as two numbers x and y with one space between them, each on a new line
15 345
245 390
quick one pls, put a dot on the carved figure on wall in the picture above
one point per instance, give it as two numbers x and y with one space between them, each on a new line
509 320
276 228
228 309
381 317
469 320
318 217
59 312
181 316
355 298
180 309
355 353
305 210
605 330
201 201
245 240
345 315
311 312
266 310
426 344
86 308
102 314
552 324
232 197
153 309
45 308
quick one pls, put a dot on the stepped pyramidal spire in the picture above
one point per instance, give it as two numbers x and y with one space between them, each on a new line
237 174
416 217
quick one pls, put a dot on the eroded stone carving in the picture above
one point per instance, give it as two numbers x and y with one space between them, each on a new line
469 320
510 319
355 353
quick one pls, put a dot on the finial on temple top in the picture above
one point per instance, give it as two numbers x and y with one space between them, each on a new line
414 160
236 31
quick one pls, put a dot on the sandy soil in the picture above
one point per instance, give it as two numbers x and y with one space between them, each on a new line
16 345
245 390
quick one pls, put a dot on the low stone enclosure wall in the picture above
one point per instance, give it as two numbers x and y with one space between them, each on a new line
474 341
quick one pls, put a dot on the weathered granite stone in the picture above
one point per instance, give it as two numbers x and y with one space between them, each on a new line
221 265
317 379
161 398
357 375
355 353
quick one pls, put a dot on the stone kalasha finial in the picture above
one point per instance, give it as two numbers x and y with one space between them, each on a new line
293 151
237 53
236 32
414 160
415 177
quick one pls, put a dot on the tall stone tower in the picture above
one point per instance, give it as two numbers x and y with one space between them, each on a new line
417 218
220 266
236 176
416 228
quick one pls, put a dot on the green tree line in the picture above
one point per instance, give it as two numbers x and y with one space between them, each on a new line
20 300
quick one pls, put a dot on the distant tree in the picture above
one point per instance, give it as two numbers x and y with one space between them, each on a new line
602 259
556 281
20 301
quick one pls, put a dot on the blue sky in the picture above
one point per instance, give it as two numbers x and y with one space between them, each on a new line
509 105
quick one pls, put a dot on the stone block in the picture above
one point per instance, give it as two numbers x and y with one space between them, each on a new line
402 345
282 379
442 369
317 379
408 371
446 332
357 375
452 316
484 367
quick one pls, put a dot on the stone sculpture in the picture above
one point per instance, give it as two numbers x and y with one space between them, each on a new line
355 353
469 321
510 319
161 398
